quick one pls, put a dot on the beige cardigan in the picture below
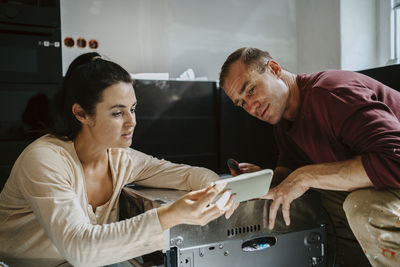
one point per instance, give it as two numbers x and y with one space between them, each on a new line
46 220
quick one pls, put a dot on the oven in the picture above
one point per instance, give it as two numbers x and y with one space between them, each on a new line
30 73
30 47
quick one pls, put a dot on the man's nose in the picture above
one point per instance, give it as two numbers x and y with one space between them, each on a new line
253 107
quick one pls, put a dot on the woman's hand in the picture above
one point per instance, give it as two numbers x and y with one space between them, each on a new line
196 207
245 168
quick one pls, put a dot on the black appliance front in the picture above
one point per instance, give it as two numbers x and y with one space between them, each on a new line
178 121
30 42
30 73
388 75
24 116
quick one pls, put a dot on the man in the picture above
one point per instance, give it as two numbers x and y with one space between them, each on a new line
336 131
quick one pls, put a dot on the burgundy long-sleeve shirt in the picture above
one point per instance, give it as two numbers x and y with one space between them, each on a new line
344 114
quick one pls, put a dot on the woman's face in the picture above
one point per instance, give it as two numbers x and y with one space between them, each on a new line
114 120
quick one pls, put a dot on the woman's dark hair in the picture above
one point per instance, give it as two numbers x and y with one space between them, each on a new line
86 78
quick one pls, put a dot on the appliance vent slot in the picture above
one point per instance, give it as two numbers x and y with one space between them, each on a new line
243 230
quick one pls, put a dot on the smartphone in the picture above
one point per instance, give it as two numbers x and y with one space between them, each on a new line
234 165
248 185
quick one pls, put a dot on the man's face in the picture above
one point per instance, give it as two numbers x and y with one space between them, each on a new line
263 96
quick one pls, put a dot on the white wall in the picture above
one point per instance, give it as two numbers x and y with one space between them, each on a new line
358 34
365 33
342 34
383 29
173 35
318 35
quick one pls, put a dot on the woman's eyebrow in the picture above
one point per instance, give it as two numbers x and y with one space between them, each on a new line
118 106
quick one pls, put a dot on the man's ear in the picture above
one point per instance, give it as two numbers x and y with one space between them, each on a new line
79 113
274 67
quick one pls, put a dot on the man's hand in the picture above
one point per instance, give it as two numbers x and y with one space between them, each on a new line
283 194
245 168
345 175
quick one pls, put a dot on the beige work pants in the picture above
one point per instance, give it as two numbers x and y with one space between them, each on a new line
366 217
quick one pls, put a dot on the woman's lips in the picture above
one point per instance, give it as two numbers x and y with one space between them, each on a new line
128 135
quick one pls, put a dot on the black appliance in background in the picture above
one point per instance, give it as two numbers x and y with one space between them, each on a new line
30 41
178 121
388 75
30 73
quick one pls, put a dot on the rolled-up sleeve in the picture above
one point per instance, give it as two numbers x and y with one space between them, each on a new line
374 133
160 173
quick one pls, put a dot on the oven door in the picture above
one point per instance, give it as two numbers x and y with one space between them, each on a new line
30 54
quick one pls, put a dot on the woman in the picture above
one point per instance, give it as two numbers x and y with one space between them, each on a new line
60 202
